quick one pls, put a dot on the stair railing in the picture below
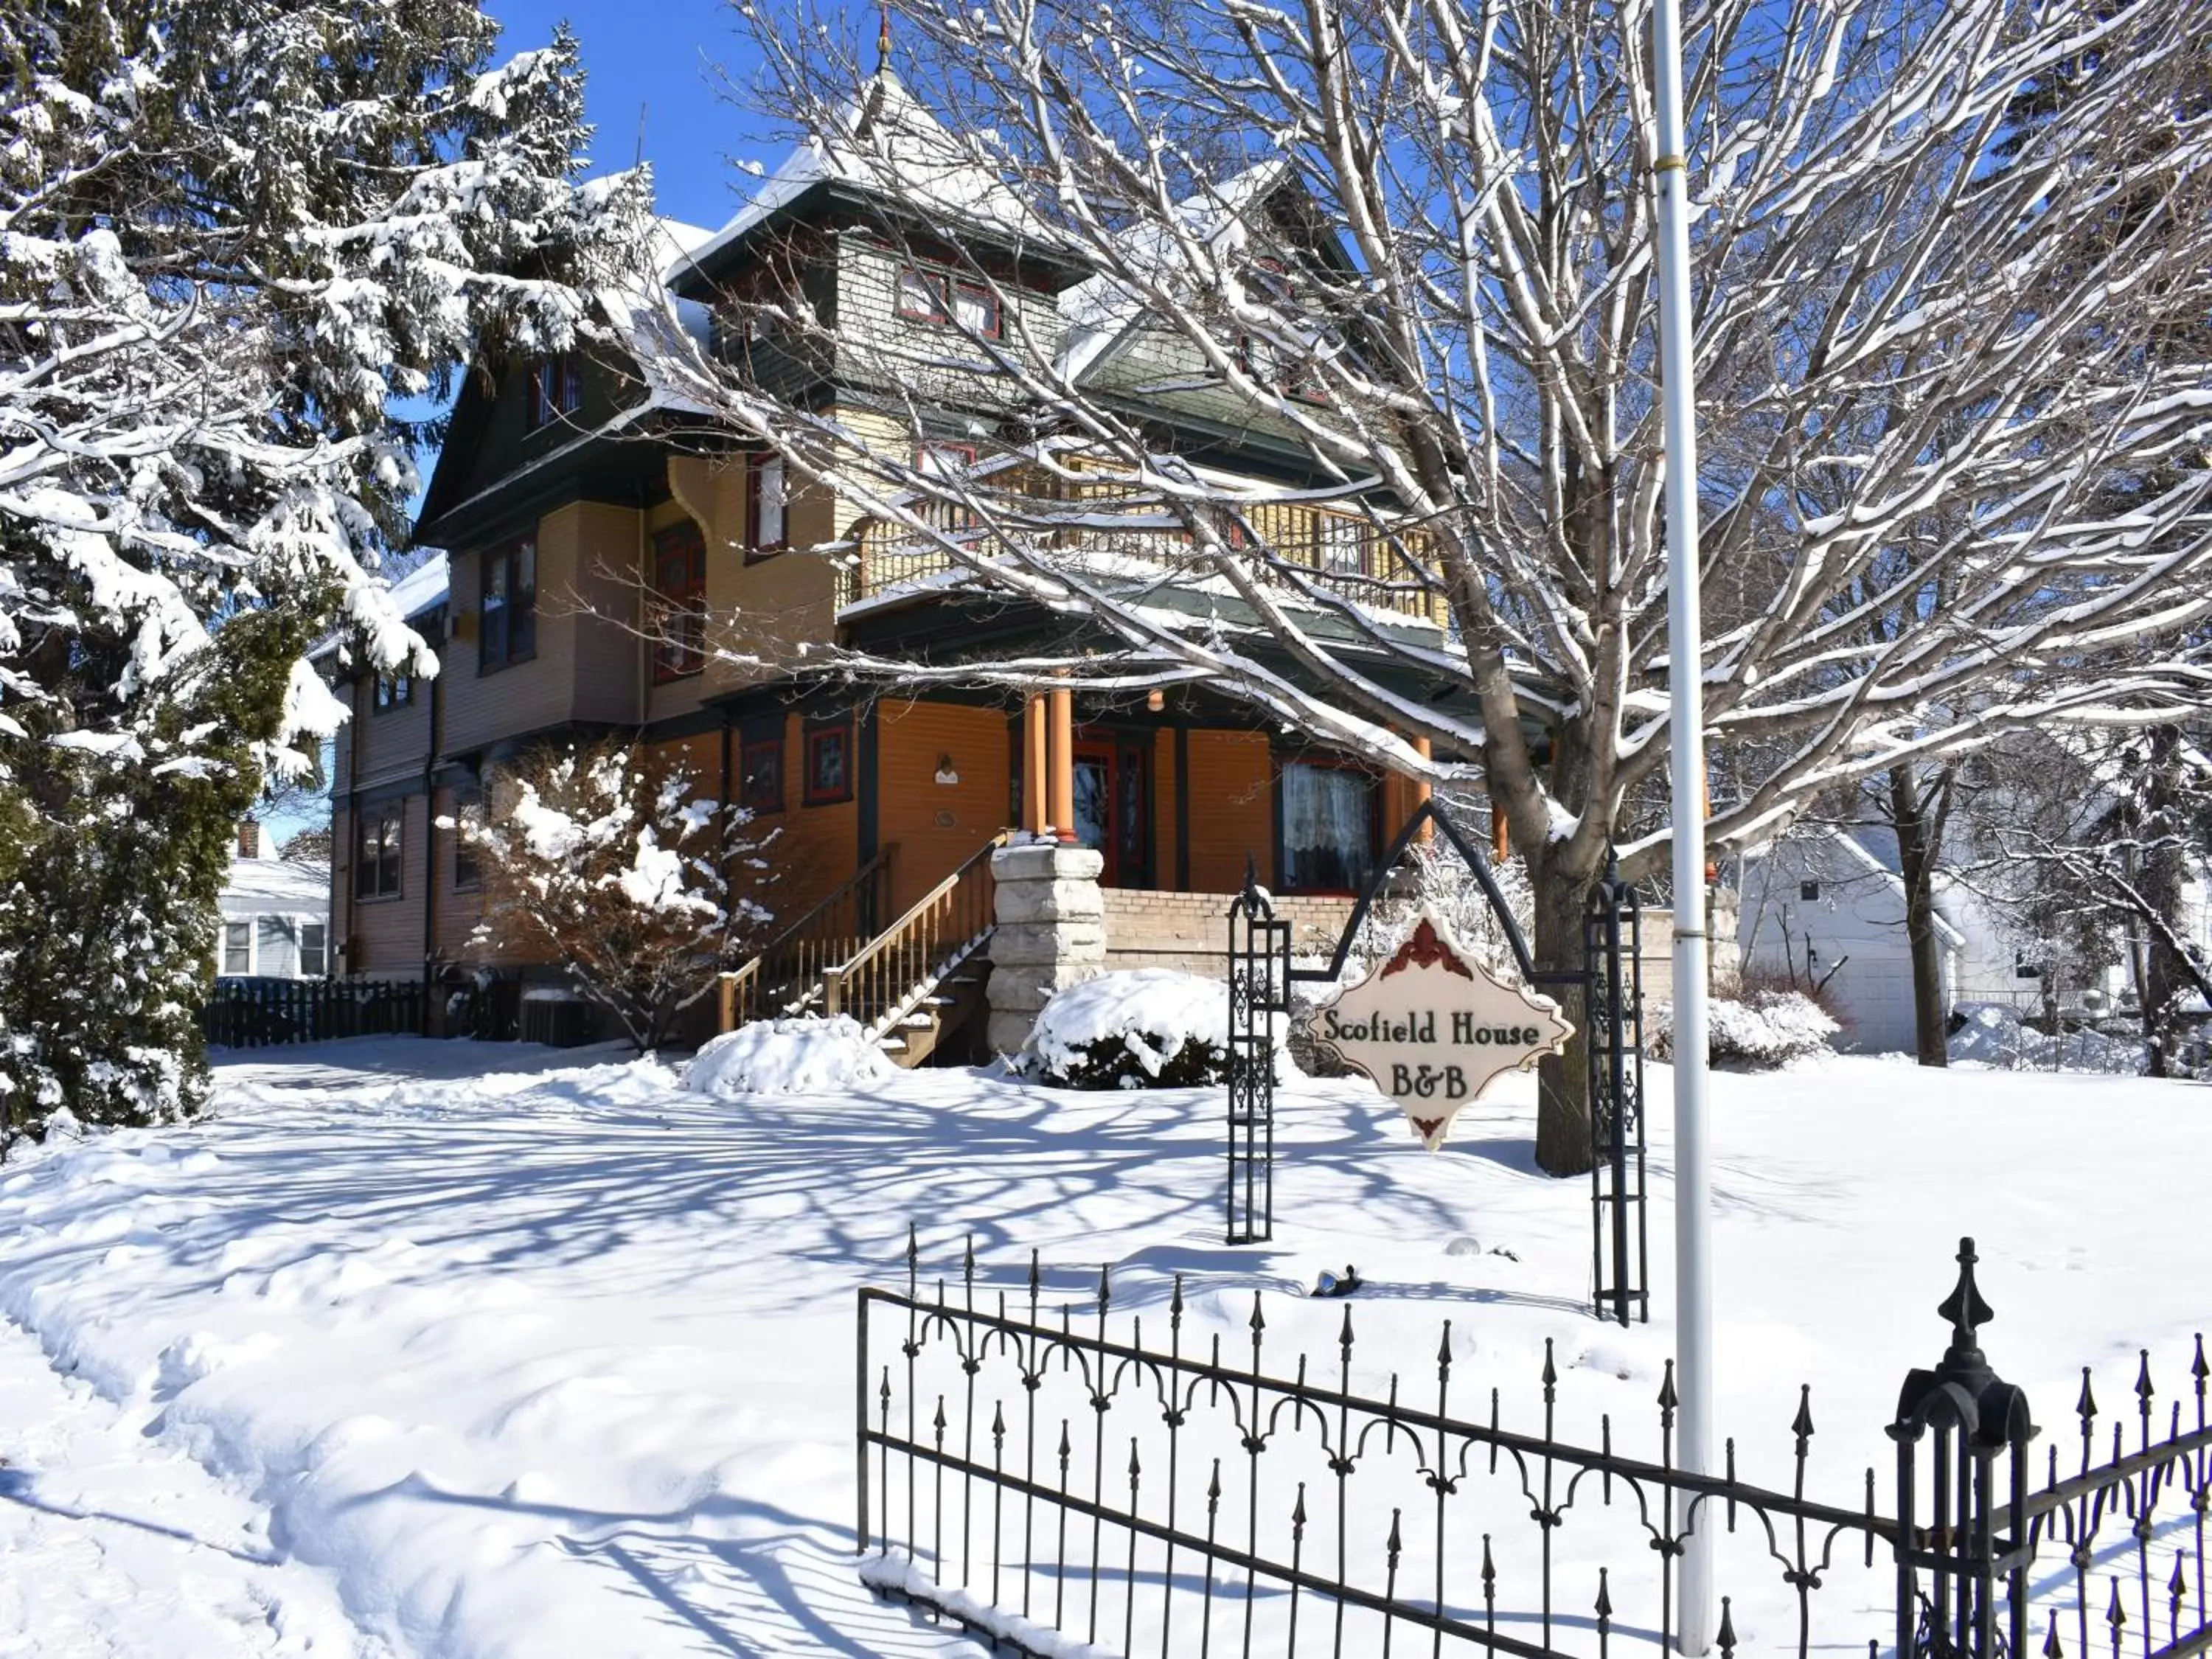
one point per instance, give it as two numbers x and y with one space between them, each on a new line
785 976
894 972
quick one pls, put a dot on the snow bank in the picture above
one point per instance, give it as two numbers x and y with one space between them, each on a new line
1994 1036
1144 1028
788 1057
1768 1030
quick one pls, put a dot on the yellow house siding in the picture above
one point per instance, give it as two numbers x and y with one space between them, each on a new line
938 826
1232 808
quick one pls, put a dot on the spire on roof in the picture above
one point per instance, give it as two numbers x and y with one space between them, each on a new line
883 41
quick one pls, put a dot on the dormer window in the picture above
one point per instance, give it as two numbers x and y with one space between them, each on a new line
920 296
766 499
556 388
976 309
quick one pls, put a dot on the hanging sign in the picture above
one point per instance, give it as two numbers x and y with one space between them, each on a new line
1432 1026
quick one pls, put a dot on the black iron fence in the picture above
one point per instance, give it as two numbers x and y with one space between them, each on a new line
1044 1475
255 1013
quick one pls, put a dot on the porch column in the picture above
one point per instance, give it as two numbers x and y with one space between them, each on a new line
1036 779
1063 764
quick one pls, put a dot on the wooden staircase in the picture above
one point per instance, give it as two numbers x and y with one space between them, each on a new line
914 984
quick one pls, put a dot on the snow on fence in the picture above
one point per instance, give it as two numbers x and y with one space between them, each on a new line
1051 1481
255 1013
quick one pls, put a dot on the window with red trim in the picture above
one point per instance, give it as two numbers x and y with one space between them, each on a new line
828 763
679 602
762 764
1329 818
766 504
921 295
975 308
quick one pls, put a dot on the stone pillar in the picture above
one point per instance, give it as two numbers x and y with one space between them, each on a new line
1051 933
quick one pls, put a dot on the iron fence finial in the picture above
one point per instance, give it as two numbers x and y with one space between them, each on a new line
1965 1310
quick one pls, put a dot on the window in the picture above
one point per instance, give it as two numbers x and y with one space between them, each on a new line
976 309
920 296
1343 549
942 460
556 388
762 767
679 599
828 763
509 631
1808 892
376 853
394 691
765 497
315 950
238 947
2023 968
468 873
1329 818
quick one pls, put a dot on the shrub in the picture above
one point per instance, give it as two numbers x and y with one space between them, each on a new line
1150 1028
1765 1030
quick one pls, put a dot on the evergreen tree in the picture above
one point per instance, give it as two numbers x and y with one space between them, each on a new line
232 232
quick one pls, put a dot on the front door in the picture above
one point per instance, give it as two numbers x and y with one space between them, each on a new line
1113 809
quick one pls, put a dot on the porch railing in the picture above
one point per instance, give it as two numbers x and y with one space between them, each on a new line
886 556
894 974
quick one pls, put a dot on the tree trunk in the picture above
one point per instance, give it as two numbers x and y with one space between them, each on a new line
2164 870
1563 1125
1917 850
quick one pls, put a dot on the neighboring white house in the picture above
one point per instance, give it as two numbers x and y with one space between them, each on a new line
276 913
1826 900
1824 897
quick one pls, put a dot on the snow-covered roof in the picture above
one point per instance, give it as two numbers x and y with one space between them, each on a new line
276 883
423 588
1099 311
882 134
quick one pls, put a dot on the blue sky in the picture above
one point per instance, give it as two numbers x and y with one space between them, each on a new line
656 59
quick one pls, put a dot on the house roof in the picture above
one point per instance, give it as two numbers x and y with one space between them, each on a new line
276 883
885 144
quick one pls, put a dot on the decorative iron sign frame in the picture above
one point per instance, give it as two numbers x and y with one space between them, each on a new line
1608 990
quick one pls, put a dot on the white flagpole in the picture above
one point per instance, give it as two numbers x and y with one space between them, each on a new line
1693 1269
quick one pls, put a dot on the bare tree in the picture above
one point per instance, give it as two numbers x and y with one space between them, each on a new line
1413 238
641 887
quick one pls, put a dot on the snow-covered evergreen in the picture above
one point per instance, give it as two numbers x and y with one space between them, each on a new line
230 235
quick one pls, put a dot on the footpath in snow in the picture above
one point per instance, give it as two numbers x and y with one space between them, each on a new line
509 1355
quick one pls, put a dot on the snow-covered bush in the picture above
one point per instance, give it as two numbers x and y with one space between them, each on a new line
1147 1028
1993 1034
789 1057
1765 1030
624 871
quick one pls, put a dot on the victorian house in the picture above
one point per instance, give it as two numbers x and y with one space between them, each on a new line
616 567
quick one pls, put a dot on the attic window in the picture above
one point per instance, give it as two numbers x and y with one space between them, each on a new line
976 310
556 388
920 296
1808 892
1343 545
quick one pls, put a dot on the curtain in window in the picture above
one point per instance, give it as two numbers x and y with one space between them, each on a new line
1328 828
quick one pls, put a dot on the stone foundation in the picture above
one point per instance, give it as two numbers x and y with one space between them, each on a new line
1189 931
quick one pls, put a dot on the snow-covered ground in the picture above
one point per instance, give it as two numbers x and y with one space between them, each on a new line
506 1355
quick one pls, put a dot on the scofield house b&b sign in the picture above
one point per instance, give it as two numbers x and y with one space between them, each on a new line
1431 1027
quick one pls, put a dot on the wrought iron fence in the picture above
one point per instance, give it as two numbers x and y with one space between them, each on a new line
1041 1473
256 1013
